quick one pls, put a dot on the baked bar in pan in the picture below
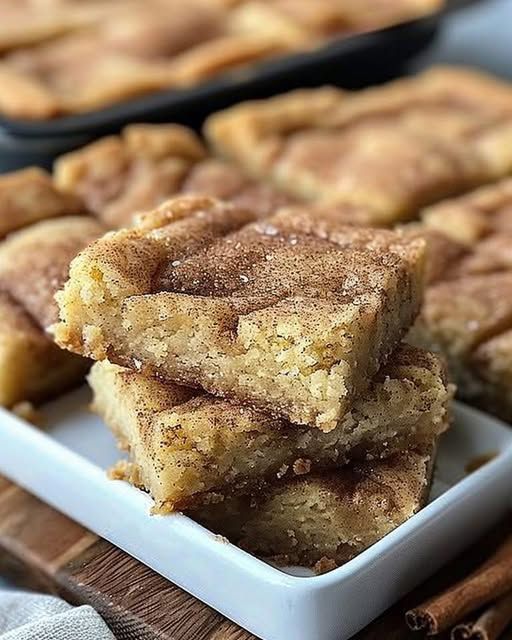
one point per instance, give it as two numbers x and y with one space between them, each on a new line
29 195
33 21
324 520
482 214
467 313
88 55
390 149
302 23
118 176
290 315
190 448
33 265
142 49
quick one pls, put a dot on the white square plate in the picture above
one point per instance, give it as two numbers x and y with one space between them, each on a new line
65 466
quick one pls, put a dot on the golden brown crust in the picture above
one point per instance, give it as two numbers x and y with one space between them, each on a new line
277 313
135 53
443 253
475 216
189 446
29 195
464 319
33 264
302 23
125 56
222 180
468 311
251 131
31 21
32 367
119 176
443 131
25 97
491 364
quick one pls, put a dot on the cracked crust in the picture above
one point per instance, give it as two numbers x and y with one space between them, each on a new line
119 176
442 132
190 447
287 314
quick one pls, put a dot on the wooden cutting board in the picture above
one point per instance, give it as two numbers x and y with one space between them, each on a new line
42 549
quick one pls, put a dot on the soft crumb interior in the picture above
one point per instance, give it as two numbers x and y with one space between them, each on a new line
299 364
190 448
301 357
287 369
89 310
306 365
90 301
334 516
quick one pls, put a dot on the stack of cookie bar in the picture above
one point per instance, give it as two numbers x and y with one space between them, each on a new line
249 348
255 371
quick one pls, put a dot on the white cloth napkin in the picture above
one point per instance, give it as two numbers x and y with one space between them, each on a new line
31 616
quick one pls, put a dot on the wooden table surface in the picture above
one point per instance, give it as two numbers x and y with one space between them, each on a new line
42 549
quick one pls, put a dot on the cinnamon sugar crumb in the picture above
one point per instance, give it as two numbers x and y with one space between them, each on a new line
120 471
125 470
221 539
324 565
282 471
301 466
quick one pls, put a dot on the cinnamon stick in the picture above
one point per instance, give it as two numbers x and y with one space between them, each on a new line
489 625
462 631
491 581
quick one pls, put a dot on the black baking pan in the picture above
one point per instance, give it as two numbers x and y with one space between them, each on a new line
352 62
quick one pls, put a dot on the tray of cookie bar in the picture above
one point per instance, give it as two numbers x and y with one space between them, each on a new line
91 67
269 358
